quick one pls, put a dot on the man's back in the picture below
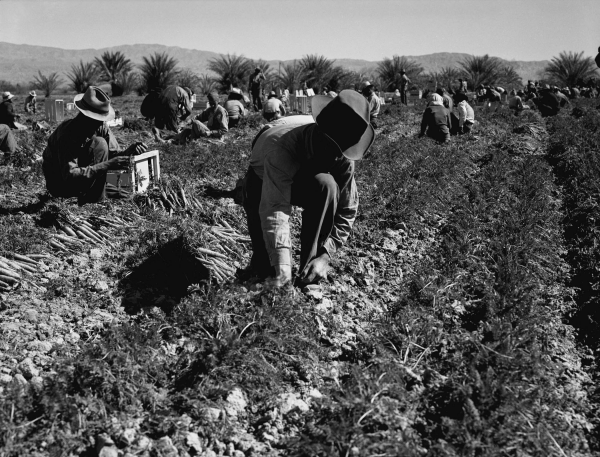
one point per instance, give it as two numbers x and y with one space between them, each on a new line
234 108
273 105
7 113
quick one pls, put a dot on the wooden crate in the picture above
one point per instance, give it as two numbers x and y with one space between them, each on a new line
55 110
303 104
146 169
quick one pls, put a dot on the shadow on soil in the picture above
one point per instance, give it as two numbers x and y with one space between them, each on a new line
163 279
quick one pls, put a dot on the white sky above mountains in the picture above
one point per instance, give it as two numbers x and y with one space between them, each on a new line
287 29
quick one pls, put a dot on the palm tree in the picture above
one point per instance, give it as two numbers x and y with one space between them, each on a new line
570 67
206 83
509 78
46 83
128 82
389 70
352 80
111 65
83 76
316 70
231 70
158 71
291 76
480 69
446 77
187 78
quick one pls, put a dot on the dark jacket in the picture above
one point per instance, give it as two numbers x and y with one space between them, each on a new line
548 103
7 114
436 123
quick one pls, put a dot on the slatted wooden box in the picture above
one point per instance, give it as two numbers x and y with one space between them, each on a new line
55 110
145 170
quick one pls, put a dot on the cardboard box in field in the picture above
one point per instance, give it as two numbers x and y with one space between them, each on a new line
146 169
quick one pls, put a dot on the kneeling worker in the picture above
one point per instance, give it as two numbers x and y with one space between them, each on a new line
213 122
83 149
273 109
311 166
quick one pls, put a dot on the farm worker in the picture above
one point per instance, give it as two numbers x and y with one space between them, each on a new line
436 120
462 86
448 102
213 122
235 108
563 99
81 150
575 92
151 104
466 116
254 88
273 108
548 103
8 143
368 91
493 99
404 82
515 102
311 166
30 102
397 98
171 101
7 112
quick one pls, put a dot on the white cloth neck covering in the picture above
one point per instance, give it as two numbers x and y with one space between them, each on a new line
436 100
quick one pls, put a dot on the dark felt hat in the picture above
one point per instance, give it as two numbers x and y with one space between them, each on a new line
95 104
345 120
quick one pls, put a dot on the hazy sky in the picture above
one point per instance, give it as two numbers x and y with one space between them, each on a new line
286 29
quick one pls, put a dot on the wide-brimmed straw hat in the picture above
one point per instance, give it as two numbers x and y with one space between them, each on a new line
95 104
32 93
345 120
7 96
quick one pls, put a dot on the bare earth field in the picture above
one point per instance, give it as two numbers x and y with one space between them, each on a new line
460 320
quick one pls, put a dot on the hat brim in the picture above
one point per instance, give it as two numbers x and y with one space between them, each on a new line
10 97
97 116
355 152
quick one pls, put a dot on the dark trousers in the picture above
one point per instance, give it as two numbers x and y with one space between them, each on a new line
87 190
456 130
317 194
256 100
403 97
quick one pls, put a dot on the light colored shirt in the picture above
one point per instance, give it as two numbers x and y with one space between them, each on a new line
274 105
216 119
465 113
374 106
515 102
234 109
277 156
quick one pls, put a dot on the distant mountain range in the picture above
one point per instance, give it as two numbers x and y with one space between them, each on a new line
20 62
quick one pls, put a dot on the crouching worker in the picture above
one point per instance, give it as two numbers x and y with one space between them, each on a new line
273 109
213 122
83 149
171 102
466 116
311 166
8 143
436 122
